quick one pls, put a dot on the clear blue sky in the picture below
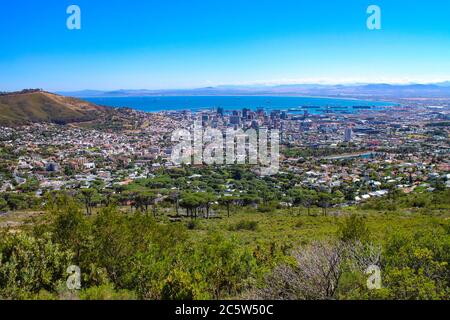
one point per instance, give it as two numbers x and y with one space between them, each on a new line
158 44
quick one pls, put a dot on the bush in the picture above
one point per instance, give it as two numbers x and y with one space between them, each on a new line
314 275
178 286
192 224
300 224
3 205
244 225
416 265
269 207
106 292
29 266
353 229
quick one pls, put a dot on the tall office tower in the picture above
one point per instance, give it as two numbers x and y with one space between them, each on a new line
348 136
245 113
235 120
205 118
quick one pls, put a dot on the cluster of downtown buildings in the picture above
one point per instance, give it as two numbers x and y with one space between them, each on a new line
368 151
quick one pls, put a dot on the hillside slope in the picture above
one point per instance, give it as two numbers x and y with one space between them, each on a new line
41 106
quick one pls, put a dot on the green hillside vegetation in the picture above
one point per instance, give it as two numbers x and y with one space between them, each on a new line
40 106
246 254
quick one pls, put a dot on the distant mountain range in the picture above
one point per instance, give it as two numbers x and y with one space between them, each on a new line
31 106
436 90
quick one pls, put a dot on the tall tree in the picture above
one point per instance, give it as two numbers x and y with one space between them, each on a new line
88 197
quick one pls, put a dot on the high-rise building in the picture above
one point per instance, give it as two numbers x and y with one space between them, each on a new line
245 113
205 119
348 136
260 112
235 120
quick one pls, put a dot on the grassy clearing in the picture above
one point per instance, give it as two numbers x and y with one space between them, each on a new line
290 227
288 230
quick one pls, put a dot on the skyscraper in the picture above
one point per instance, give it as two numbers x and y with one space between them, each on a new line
348 136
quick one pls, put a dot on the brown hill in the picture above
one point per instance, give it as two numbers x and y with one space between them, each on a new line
39 106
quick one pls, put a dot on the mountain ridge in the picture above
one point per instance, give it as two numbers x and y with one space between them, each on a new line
375 90
30 106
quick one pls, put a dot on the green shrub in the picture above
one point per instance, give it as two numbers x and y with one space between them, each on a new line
192 224
354 229
244 225
106 292
29 266
269 207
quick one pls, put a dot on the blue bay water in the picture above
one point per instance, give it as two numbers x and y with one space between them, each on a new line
200 103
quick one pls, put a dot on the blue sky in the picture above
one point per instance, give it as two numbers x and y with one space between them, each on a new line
156 44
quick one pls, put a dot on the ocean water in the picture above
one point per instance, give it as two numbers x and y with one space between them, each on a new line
229 103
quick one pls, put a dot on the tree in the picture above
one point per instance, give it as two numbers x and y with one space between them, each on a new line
175 198
88 197
309 198
191 202
247 200
98 185
108 197
324 201
227 200
305 197
128 198
207 198
144 199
